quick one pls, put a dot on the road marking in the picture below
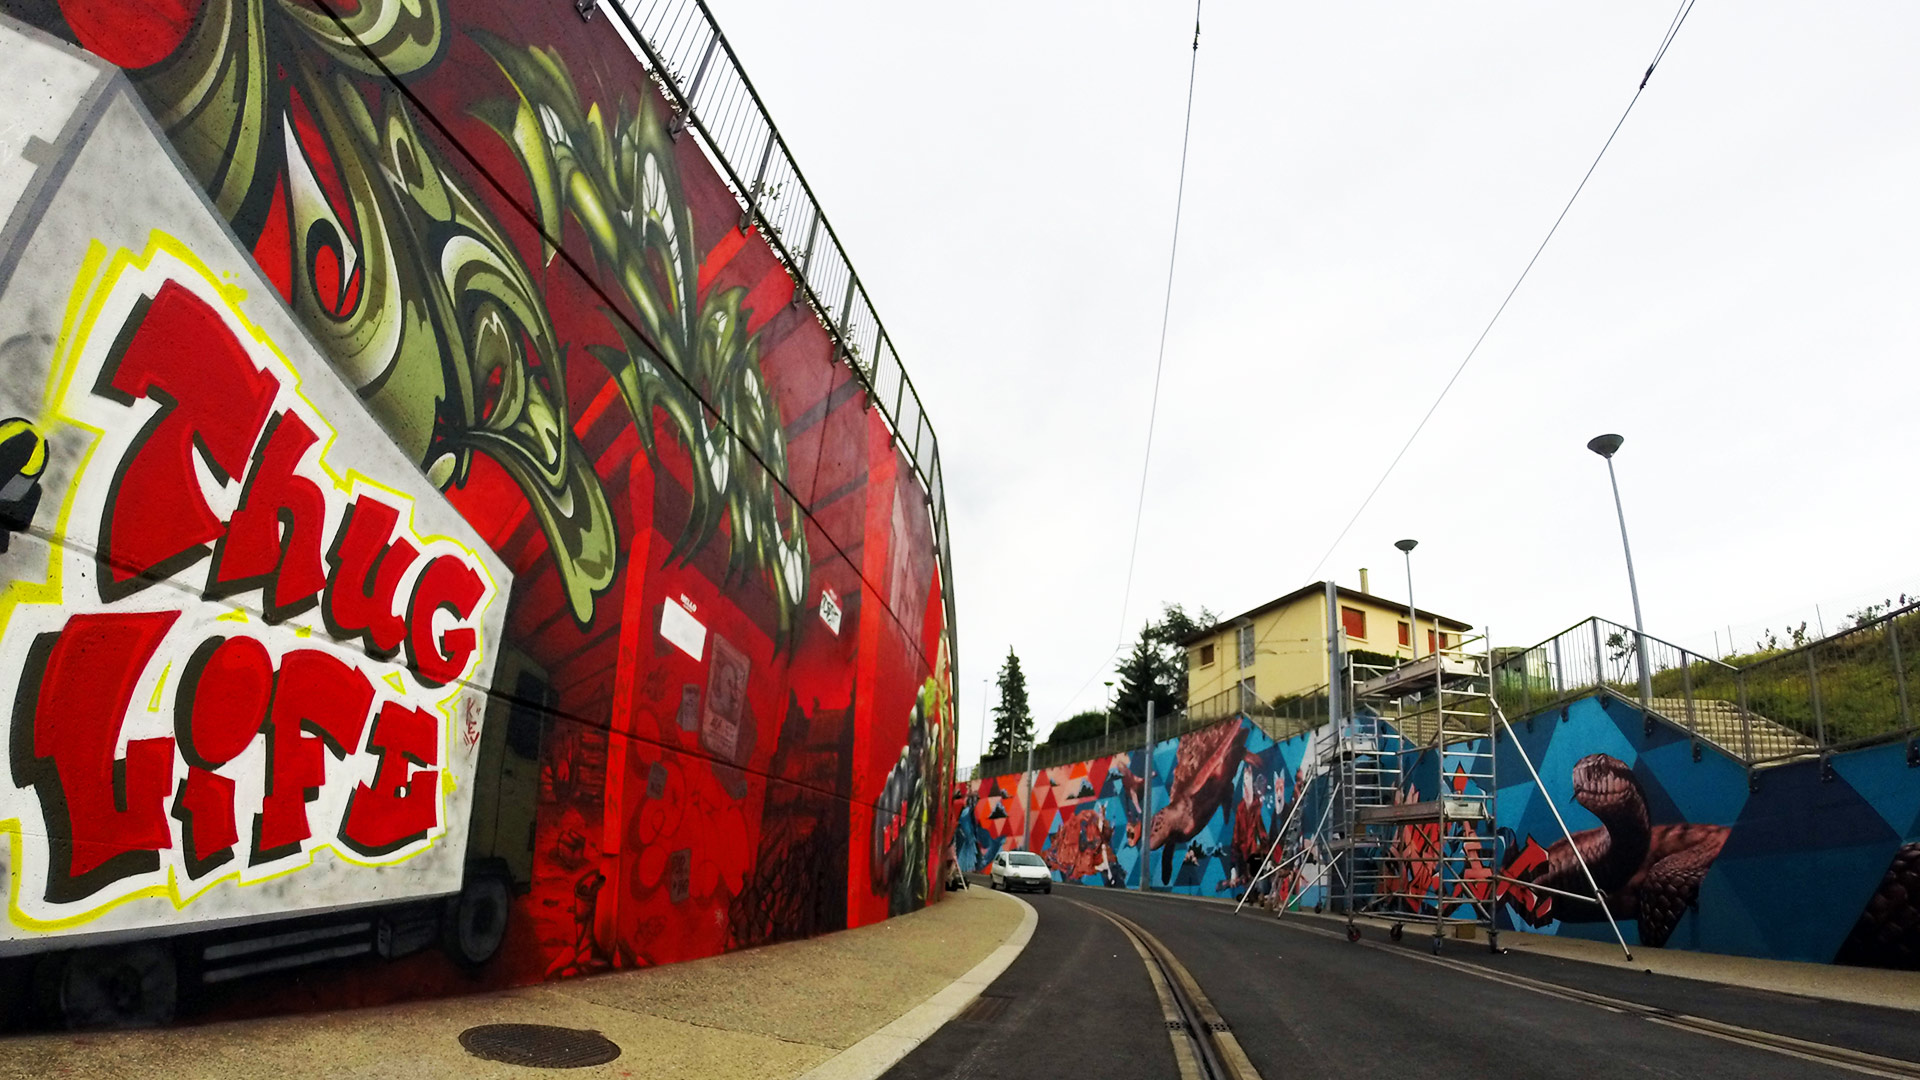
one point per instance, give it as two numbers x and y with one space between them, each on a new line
1824 1053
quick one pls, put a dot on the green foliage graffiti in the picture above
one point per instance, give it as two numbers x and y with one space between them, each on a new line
422 302
693 359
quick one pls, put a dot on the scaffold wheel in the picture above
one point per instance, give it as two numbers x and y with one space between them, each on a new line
1353 932
1436 945
1397 931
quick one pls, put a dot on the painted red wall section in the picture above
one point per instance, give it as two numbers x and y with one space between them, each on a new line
720 710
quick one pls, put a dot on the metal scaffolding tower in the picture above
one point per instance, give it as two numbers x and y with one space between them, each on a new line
1401 789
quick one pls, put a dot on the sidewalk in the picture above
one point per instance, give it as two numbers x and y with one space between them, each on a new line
843 1002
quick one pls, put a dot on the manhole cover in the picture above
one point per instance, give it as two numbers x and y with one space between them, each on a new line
539 1046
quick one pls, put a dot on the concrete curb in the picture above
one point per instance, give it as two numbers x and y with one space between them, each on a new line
879 1051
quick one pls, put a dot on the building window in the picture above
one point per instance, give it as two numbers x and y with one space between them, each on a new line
1206 656
1446 641
1247 696
1354 621
1406 634
1246 646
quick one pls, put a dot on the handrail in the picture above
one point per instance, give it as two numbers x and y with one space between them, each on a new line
679 42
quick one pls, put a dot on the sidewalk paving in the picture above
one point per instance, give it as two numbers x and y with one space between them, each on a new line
773 1013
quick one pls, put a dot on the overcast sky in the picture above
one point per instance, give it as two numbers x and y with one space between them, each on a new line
1737 292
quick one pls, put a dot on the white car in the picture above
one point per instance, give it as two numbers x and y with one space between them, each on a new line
1020 870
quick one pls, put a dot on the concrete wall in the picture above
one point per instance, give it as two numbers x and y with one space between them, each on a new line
429 521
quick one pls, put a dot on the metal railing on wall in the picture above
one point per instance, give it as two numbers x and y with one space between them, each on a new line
682 47
1843 691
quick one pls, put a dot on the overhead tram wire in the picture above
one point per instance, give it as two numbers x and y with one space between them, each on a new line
1159 364
1673 31
1166 313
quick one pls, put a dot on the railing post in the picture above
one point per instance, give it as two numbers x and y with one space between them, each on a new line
679 123
1900 676
1813 687
1686 683
1559 670
1746 714
1599 658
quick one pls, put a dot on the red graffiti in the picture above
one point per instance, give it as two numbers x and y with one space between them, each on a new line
319 718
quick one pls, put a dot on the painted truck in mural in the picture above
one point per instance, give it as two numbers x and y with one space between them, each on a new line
438 550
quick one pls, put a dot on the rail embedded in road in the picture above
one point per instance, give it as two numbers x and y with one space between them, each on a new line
1203 1042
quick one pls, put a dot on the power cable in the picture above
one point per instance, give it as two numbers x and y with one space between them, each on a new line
1159 364
1673 31
1166 312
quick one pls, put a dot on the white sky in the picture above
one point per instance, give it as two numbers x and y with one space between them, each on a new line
1735 292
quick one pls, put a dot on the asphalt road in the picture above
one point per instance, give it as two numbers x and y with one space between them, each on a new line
1303 1002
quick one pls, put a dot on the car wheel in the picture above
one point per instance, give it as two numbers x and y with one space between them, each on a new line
1048 889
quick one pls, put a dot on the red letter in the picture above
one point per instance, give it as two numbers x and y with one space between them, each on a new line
449 583
366 577
108 814
274 538
211 397
329 696
380 818
219 708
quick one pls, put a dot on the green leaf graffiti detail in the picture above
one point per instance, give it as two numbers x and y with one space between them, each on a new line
688 358
445 335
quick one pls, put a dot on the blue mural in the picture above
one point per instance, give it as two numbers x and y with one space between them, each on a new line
1804 861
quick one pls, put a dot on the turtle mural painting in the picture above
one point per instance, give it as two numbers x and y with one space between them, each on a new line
456 479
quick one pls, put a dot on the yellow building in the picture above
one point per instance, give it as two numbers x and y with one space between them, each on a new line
1280 648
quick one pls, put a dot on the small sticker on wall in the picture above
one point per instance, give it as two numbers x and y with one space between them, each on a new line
689 714
678 626
830 610
726 699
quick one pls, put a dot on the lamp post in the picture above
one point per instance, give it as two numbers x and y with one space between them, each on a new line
1413 622
983 720
1606 446
1108 731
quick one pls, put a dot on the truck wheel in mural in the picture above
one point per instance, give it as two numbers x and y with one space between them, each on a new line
117 986
1650 873
1888 933
474 925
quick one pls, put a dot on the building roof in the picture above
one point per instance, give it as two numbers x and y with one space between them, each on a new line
1317 588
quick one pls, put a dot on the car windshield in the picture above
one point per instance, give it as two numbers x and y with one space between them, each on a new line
1021 858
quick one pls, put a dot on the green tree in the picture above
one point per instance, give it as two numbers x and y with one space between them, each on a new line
1086 725
1156 669
1012 719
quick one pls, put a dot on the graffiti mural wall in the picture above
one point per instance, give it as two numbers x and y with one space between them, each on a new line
1812 861
1219 795
429 520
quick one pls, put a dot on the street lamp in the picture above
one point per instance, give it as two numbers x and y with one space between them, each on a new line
983 719
1413 622
1606 446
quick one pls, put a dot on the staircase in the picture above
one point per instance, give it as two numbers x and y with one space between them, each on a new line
1723 723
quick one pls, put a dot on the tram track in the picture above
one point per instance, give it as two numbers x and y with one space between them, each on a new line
1203 1042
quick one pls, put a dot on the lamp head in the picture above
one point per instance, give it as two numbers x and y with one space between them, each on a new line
1406 545
1605 445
